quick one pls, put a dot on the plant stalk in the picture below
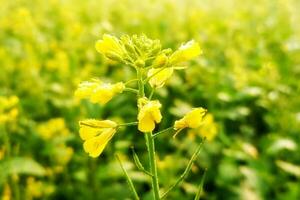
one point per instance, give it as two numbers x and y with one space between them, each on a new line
150 144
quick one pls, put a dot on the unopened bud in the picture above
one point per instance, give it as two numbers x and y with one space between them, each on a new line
160 61
140 63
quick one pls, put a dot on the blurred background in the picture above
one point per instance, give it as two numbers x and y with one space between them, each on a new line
247 78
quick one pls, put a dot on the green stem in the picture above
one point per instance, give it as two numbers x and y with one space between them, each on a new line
140 83
152 162
150 144
151 94
131 90
130 183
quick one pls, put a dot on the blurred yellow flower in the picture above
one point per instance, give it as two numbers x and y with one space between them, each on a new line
193 119
149 114
208 128
185 53
33 188
96 134
55 127
109 46
159 76
6 195
8 108
97 91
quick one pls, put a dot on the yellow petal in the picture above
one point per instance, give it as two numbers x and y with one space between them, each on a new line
109 44
186 52
195 117
96 145
180 124
149 114
146 124
160 77
86 88
98 123
90 127
86 132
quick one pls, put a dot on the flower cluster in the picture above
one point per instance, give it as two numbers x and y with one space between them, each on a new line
154 67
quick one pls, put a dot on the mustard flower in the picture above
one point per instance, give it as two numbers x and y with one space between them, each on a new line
99 92
193 119
209 129
96 134
159 76
185 53
110 47
149 114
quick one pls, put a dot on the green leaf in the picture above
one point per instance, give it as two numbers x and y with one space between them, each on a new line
20 165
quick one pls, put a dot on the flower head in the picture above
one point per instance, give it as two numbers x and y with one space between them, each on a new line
159 76
96 134
149 114
193 119
185 53
98 92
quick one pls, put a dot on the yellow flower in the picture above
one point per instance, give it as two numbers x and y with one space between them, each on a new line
149 114
85 89
209 129
8 109
193 119
96 134
98 92
109 45
185 52
159 76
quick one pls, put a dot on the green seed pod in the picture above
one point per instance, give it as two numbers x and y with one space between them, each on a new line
129 48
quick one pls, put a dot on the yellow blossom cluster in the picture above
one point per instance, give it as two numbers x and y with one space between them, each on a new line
8 109
154 66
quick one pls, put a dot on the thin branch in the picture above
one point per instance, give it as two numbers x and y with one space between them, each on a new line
128 124
130 81
163 131
135 91
129 181
187 169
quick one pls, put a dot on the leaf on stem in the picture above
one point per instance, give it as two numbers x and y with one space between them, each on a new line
138 163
